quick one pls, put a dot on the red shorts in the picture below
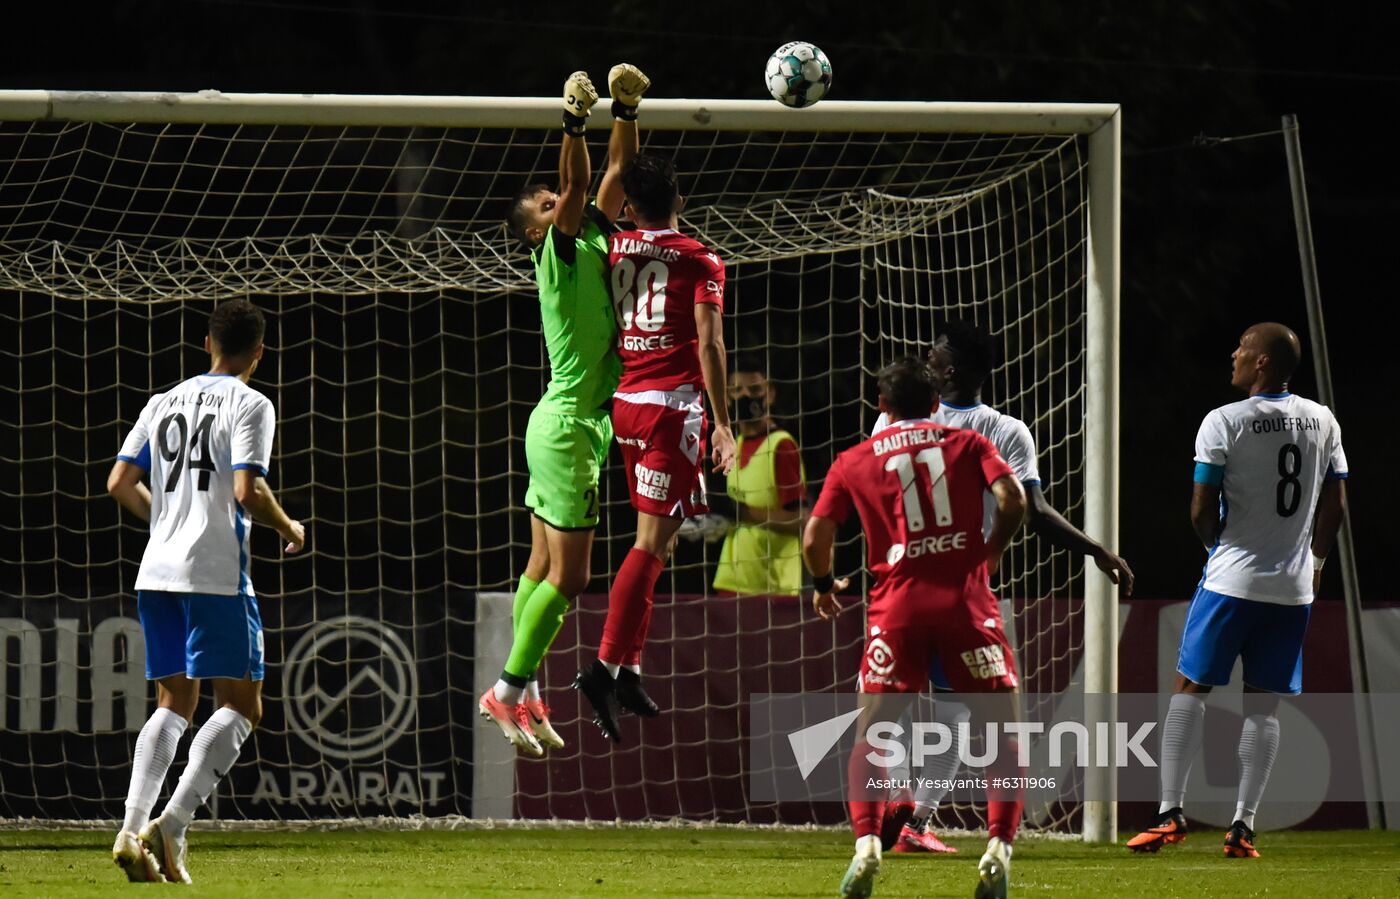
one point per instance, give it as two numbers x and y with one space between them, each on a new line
963 629
663 445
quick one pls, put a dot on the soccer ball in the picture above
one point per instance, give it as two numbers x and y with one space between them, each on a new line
798 74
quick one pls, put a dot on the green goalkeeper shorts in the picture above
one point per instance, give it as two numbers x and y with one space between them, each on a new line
565 452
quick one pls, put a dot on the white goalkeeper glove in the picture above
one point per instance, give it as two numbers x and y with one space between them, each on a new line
626 83
579 97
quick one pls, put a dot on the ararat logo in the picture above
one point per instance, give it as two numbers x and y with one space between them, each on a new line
375 684
712 287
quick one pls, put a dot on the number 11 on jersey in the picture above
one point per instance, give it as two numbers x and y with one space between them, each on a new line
903 465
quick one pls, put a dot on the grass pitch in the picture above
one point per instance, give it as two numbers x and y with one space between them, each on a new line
708 862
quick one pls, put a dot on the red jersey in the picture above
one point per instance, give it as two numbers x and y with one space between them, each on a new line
657 278
918 487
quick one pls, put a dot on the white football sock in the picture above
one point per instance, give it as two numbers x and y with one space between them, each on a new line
1181 740
942 767
155 750
635 669
871 841
1258 748
212 754
612 669
508 694
532 690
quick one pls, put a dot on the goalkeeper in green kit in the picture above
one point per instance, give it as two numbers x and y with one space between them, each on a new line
569 432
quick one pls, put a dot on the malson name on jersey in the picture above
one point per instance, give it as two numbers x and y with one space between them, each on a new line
197 399
630 246
1284 423
903 439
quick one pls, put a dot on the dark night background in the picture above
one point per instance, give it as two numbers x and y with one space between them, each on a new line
1208 239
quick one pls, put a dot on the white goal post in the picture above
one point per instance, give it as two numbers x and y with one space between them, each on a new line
1098 126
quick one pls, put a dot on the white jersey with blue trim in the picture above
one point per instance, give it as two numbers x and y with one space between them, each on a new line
191 439
1269 455
1009 435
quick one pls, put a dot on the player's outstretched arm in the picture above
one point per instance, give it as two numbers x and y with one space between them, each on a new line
626 84
1205 513
1331 504
817 542
710 334
253 493
575 170
1043 519
125 486
1011 511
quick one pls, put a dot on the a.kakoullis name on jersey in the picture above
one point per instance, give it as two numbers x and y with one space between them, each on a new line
657 278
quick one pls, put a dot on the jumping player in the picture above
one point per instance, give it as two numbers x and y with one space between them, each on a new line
566 442
917 487
206 445
669 294
1274 463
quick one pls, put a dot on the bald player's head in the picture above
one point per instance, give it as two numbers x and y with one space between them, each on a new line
1266 357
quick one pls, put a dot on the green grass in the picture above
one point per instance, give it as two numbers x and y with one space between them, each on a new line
691 862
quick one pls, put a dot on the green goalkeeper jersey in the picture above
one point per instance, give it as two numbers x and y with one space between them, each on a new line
580 330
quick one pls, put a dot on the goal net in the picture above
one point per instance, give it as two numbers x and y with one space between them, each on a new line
403 359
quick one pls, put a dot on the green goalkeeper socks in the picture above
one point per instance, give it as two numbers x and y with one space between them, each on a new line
536 626
522 597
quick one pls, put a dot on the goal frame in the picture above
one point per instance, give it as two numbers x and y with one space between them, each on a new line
1101 123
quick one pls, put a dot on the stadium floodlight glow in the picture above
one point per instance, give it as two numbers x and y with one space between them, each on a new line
369 228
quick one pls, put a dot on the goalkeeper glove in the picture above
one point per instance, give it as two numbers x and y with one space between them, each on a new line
579 97
626 83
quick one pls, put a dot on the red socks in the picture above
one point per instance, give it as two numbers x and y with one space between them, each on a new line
634 656
867 815
629 608
1004 804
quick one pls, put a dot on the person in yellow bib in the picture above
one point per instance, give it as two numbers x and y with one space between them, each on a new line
762 553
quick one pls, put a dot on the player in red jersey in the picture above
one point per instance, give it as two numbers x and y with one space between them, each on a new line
917 487
668 290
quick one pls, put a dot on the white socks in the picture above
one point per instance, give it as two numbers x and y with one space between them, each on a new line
868 845
1258 749
612 669
155 750
532 690
1181 740
943 767
510 695
212 754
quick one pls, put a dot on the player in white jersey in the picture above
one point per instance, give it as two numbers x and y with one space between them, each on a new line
1267 504
206 445
961 360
